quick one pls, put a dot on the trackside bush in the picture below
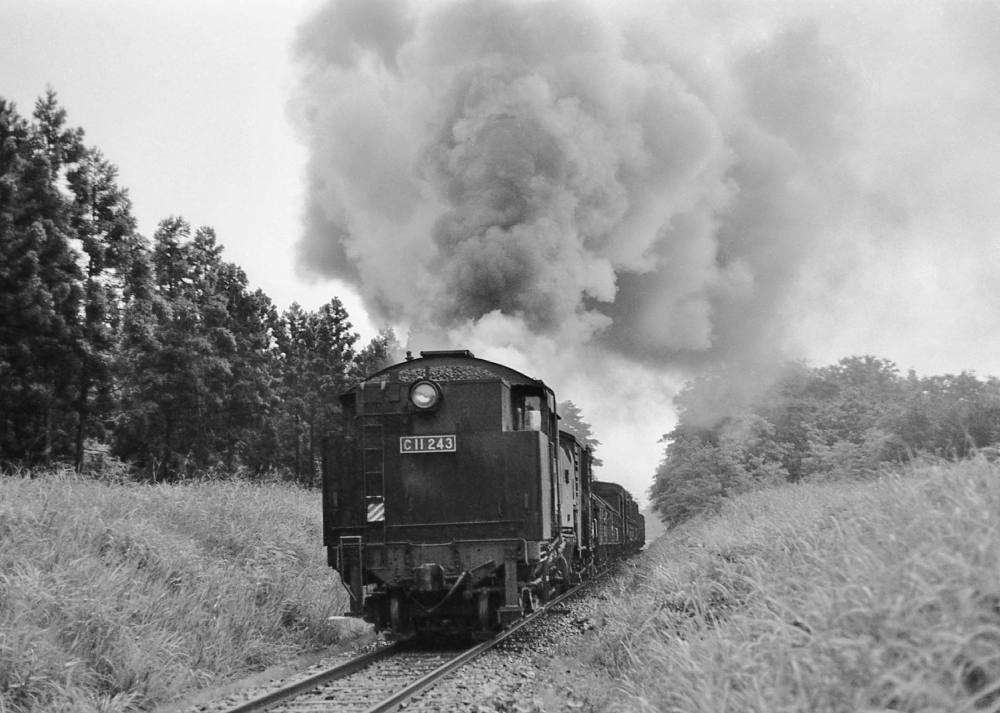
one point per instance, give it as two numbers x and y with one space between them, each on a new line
119 597
828 596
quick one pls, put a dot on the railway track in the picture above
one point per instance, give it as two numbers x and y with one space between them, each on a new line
382 680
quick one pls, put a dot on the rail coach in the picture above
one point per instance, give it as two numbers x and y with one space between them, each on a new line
453 503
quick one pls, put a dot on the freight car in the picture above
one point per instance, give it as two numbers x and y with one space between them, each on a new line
453 503
622 525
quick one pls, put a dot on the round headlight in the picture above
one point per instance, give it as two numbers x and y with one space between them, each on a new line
425 395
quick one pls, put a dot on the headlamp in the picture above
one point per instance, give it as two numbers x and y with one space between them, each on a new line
425 395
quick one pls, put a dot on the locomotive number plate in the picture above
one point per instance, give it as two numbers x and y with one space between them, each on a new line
428 444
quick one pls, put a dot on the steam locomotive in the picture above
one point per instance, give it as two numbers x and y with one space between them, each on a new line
452 502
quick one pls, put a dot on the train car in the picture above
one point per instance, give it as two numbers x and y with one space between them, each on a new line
625 529
606 530
574 493
451 501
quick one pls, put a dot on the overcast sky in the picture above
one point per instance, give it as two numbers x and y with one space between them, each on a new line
189 100
828 182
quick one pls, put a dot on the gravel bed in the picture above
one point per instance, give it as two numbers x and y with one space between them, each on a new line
533 671
224 697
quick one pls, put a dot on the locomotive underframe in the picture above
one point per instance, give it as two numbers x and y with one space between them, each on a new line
462 586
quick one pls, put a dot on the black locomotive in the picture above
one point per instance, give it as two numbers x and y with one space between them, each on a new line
453 503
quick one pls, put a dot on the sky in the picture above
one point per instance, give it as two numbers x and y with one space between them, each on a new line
189 100
612 197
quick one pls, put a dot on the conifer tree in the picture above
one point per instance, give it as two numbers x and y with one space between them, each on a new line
293 344
318 354
571 420
179 347
383 350
41 292
251 432
102 220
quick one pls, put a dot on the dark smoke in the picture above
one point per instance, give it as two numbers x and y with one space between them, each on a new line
640 191
679 184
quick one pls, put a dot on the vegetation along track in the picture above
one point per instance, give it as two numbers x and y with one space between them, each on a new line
384 679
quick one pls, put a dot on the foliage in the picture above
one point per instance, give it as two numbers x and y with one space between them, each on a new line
102 221
856 595
383 350
156 350
120 596
847 420
571 420
41 293
178 361
317 356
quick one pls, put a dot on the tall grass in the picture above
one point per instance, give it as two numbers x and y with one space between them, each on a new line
118 597
870 596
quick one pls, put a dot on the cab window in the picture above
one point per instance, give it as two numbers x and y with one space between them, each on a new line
529 414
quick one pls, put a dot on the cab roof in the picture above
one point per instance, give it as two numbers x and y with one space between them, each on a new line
458 365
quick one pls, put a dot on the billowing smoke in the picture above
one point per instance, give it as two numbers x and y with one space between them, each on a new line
647 187
562 166
657 182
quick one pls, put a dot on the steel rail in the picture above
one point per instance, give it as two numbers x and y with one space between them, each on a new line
422 684
294 690
286 693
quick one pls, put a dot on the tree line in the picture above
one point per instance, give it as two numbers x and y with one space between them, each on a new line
154 349
848 420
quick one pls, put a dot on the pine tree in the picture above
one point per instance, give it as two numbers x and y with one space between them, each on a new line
102 220
571 420
179 346
41 292
328 371
251 433
382 351
294 342
317 356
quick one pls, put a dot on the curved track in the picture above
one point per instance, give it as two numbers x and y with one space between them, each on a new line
380 681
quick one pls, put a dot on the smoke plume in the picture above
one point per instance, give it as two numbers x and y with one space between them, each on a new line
644 190
553 164
674 185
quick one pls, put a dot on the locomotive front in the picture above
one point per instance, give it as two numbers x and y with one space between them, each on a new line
441 505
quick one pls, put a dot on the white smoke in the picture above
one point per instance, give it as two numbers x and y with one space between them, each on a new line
668 186
476 158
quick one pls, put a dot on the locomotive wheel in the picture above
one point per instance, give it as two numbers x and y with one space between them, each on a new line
357 590
564 574
532 602
395 613
536 597
545 588
483 611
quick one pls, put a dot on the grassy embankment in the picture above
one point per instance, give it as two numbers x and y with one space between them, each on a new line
118 597
873 596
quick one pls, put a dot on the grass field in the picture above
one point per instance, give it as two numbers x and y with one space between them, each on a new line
118 597
859 596
854 596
